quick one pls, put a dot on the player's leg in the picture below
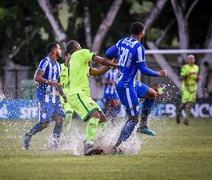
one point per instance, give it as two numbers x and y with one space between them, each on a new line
45 114
68 118
116 105
191 98
106 101
149 95
88 111
58 117
129 99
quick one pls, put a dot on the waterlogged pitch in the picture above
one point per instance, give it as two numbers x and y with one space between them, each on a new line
176 152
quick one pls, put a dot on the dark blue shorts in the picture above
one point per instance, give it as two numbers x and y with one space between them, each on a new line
130 95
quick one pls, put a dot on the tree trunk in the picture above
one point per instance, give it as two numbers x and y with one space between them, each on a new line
183 31
205 65
105 25
154 13
87 24
55 23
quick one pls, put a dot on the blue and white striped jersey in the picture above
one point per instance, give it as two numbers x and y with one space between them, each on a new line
131 58
110 75
52 71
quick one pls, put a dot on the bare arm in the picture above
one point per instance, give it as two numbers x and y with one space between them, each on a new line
99 71
104 61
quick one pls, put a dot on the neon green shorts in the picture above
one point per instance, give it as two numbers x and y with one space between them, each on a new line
188 96
83 105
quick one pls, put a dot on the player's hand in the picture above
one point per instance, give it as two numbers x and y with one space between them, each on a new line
163 73
55 84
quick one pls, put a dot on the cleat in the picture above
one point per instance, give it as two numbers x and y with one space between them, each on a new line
27 138
146 131
93 151
90 150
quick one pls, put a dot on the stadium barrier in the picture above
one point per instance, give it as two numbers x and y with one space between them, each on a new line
27 109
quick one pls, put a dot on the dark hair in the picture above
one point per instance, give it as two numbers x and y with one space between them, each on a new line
51 46
70 47
136 28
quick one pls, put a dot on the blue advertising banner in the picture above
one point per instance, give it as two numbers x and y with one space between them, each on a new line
27 109
18 109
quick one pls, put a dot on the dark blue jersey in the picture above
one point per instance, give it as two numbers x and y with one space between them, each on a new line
131 58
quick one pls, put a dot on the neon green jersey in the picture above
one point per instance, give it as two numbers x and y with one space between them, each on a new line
79 72
65 76
190 82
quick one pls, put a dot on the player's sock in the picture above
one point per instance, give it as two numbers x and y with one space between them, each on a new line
68 120
145 111
56 135
37 128
91 128
126 131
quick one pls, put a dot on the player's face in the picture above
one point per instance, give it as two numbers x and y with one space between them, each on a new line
191 60
58 51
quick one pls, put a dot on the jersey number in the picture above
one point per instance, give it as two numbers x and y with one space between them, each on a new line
123 56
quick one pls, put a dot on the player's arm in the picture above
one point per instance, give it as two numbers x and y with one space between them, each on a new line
39 78
99 71
61 92
141 64
112 52
104 61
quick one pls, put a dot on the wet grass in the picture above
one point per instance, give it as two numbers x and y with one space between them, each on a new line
177 152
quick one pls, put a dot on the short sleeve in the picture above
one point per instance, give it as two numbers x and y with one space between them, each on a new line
139 54
184 70
43 65
87 55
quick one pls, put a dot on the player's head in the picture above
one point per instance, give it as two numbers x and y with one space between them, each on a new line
53 48
137 29
191 59
72 46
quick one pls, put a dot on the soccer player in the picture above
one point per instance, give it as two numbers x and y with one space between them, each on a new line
65 81
48 90
131 58
79 91
189 77
111 99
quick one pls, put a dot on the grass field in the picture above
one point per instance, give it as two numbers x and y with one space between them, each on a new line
177 152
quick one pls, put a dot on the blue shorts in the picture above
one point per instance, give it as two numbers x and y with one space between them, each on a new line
113 96
141 89
130 95
47 110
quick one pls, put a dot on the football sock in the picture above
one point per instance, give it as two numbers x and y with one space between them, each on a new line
57 130
37 128
91 128
145 110
126 131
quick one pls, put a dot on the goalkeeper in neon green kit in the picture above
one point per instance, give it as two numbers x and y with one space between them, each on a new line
65 81
79 91
189 76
